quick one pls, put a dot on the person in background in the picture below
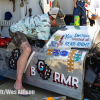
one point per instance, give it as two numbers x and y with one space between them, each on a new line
79 7
91 21
56 3
34 27
95 6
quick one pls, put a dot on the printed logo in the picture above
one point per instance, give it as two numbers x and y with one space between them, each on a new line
43 70
66 81
64 53
49 52
56 37
76 19
60 42
53 43
56 52
77 57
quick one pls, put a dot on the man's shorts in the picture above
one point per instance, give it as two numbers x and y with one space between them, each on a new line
18 38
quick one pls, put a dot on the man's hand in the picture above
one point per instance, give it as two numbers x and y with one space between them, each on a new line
94 16
46 41
75 5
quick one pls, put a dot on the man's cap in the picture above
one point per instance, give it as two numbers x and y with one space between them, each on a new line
58 15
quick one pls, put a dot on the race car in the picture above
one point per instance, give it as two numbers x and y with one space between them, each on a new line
62 65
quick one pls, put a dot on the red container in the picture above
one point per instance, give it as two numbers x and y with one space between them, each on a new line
2 42
8 40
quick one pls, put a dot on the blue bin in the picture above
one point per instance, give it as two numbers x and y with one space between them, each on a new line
8 16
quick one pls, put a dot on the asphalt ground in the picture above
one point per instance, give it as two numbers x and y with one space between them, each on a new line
40 94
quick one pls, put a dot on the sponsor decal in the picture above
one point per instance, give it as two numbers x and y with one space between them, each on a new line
69 81
57 41
78 56
56 52
60 42
43 70
70 61
56 37
49 52
77 40
32 71
53 43
74 56
64 53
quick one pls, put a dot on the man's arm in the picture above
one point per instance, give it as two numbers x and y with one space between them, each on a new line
46 41
75 4
94 16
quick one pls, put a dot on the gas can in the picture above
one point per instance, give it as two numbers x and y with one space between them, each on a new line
76 20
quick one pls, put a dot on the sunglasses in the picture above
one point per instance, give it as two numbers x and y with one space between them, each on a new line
59 15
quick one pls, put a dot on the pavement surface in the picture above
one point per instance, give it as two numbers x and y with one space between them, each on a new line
39 93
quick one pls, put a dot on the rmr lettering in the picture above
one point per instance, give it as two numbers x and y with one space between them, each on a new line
69 81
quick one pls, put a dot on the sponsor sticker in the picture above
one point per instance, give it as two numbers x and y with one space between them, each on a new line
49 52
60 42
53 43
69 81
64 53
70 61
56 52
56 37
77 57
43 70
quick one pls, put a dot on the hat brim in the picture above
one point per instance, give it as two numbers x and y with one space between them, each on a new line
60 21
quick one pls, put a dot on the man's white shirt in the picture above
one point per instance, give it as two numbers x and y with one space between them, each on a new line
95 8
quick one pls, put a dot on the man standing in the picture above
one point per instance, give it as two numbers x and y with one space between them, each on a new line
34 27
79 7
